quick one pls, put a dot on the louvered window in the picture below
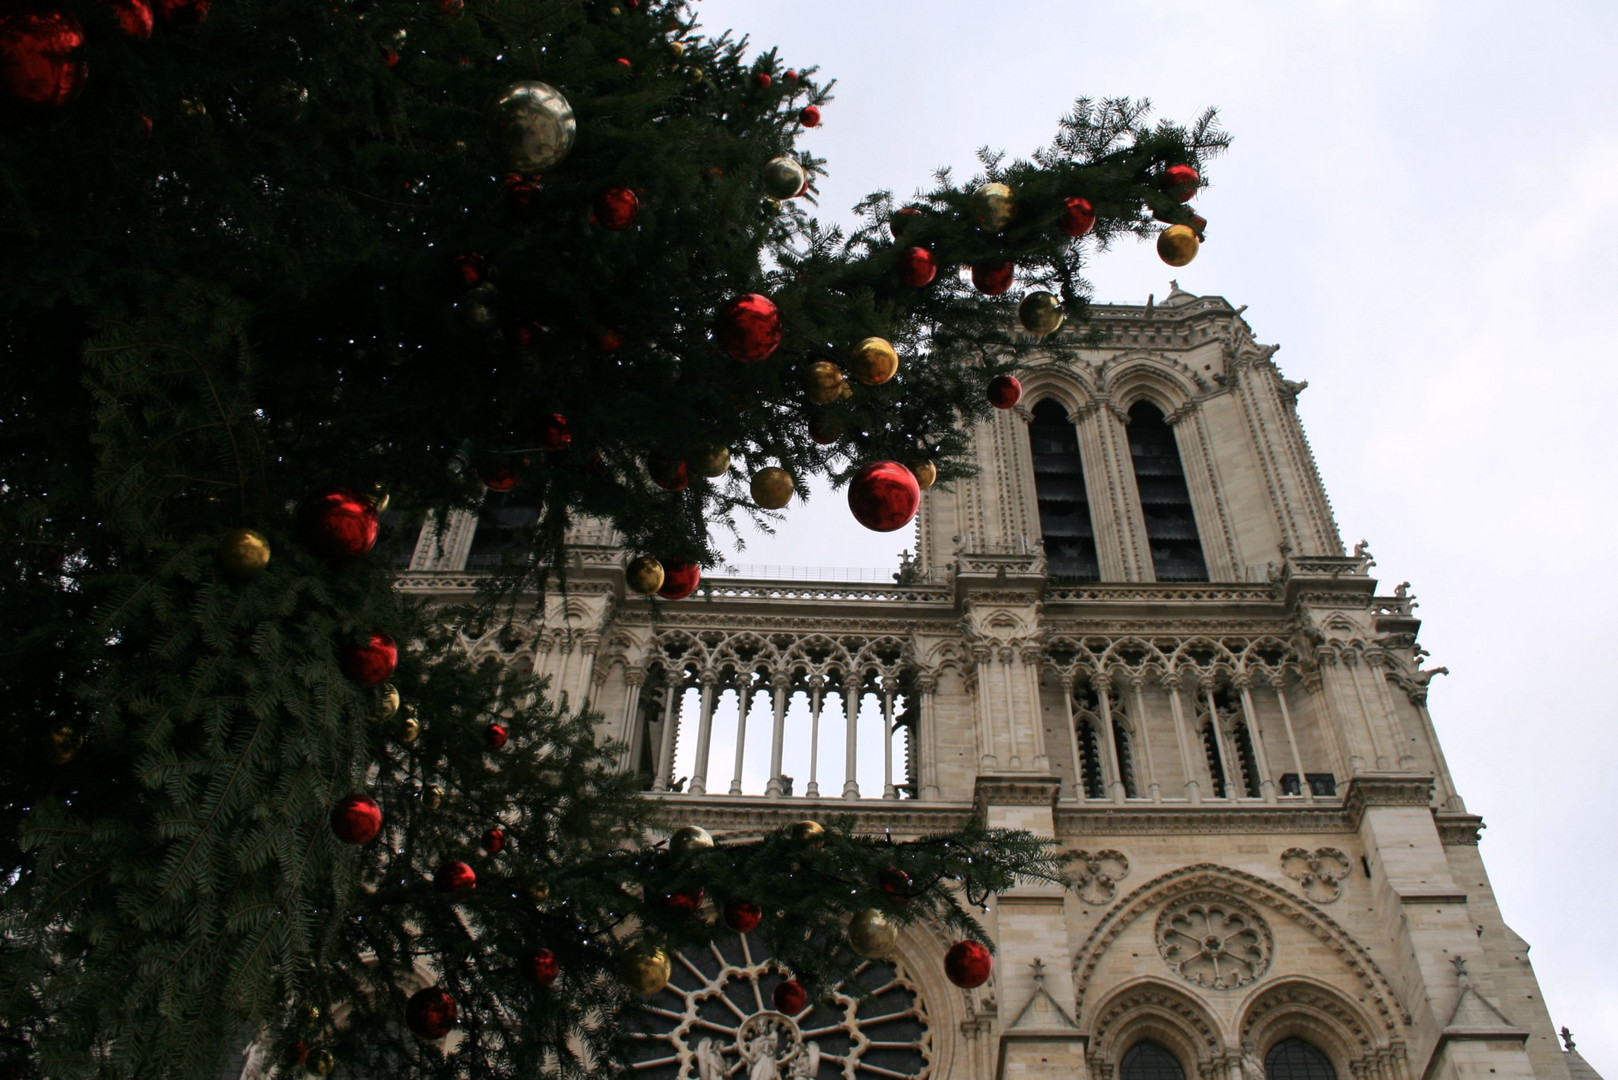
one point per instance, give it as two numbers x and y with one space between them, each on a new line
1064 505
1294 1059
1149 1061
1165 501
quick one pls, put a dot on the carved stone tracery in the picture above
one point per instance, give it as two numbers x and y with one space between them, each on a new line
1214 941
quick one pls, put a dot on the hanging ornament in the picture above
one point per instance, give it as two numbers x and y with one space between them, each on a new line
455 877
771 488
762 80
521 195
1004 391
809 116
387 702
182 12
748 327
917 267
495 736
713 461
338 524
134 17
874 361
63 744
534 126
902 219
689 839
894 881
682 903
668 473
493 841
1078 216
825 428
993 278
371 661
645 971
808 833
926 474
356 819
783 178
644 574
871 934
1177 245
539 891
790 76
469 269
609 339
617 208
1181 181
321 1063
478 307
553 432
790 997
432 797
244 553
680 579
993 207
499 478
884 496
968 964
743 916
410 730
1040 313
40 61
541 967
430 1013
823 382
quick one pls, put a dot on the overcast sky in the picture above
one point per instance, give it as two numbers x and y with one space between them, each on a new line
1420 208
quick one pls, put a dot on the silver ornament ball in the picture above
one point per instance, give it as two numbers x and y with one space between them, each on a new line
783 178
534 126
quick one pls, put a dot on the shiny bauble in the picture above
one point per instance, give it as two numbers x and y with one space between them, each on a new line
1181 181
244 553
823 382
992 206
432 797
356 819
534 126
917 266
410 730
968 964
682 903
926 474
1004 391
182 12
62 744
539 891
872 935
40 57
645 971
495 736
743 916
894 881
668 473
874 361
493 841
541 967
134 17
809 116
884 496
1177 245
680 579
499 478
748 327
762 80
993 277
617 208
609 339
771 488
1041 313
1078 217
689 839
469 269
902 219
553 432
430 1013
320 1063
644 575
371 661
713 461
455 877
808 833
338 524
825 428
790 997
521 195
387 702
783 178
676 49
479 307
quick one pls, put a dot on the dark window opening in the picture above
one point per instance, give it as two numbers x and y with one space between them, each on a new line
1216 764
1090 774
1149 1061
1246 760
505 530
1064 505
1321 784
1126 760
1165 501
1294 1059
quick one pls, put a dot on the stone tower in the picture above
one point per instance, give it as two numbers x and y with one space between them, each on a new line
1136 631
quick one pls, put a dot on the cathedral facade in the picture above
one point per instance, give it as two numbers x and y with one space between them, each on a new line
1136 631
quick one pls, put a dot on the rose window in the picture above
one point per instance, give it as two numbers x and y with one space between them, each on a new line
715 1021
1218 944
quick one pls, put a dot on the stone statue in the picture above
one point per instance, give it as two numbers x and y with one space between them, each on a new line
710 1063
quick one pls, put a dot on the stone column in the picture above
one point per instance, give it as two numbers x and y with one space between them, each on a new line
699 772
990 759
1102 684
1255 735
1137 683
817 684
744 705
1278 681
671 720
888 790
634 679
926 736
851 714
1067 680
1030 656
1171 686
781 684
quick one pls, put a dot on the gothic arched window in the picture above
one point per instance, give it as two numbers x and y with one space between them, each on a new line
1149 1061
1165 501
1294 1059
1064 505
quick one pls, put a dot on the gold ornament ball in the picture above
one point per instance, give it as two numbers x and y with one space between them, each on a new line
1041 313
871 934
676 49
772 488
696 75
321 1063
1177 245
62 745
714 461
926 474
539 891
380 498
644 575
432 797
823 382
311 1014
244 553
410 730
534 126
690 838
645 971
783 178
875 361
387 702
808 833
993 207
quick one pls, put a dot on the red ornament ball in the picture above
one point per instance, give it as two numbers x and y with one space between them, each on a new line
790 997
39 57
455 877
493 841
743 916
541 967
430 1012
145 127
134 17
894 881
1078 216
553 432
495 736
810 116
791 75
993 278
499 478
884 496
617 208
917 267
1004 391
683 902
371 662
1181 181
902 219
968 964
668 473
356 820
521 193
762 80
609 339
680 579
748 327
452 7
469 269
339 524
182 12
390 58
825 428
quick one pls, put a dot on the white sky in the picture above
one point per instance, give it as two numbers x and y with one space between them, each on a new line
1420 207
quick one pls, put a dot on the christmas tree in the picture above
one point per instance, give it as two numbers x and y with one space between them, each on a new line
284 278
